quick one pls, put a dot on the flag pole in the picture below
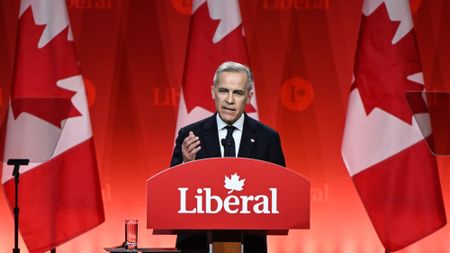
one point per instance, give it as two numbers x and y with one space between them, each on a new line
16 174
53 250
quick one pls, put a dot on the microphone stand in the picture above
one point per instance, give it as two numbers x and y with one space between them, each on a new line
16 173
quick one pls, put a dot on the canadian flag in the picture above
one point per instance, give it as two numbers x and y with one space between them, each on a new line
48 123
216 35
386 154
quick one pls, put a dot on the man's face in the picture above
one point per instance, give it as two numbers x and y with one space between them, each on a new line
231 95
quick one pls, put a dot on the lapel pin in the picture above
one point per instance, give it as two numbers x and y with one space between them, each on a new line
252 140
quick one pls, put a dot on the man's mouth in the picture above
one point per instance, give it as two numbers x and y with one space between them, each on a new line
228 109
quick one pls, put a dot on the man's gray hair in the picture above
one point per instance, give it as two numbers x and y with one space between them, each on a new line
230 66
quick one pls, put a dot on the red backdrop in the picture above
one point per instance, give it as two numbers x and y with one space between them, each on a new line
132 57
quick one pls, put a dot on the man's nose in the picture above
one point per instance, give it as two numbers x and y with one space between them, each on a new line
230 98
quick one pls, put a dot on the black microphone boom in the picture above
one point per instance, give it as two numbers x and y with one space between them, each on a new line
18 161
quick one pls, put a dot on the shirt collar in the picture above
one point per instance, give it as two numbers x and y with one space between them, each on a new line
239 124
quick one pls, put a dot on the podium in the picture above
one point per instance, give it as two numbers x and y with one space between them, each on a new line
227 198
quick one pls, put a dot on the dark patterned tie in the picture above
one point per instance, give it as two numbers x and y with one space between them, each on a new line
229 147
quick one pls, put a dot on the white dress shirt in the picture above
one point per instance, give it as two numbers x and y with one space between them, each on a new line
237 133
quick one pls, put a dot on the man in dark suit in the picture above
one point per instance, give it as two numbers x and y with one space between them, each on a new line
229 132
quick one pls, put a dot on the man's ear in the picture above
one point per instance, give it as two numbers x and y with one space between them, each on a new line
212 91
249 97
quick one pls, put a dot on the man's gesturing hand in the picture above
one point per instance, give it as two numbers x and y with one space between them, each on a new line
190 147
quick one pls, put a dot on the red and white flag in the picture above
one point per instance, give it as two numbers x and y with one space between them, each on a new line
386 154
48 123
216 35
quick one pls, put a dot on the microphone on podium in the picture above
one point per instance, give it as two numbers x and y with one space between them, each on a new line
225 143
226 147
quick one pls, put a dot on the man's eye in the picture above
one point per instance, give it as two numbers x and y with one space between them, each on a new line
239 93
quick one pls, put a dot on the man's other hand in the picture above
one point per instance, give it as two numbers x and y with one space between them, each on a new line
190 147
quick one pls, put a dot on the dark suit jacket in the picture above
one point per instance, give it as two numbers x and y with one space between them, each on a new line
258 141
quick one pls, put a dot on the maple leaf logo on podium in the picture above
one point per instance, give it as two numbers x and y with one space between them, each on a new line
234 183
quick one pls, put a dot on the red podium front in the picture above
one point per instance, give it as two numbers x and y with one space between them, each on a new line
236 194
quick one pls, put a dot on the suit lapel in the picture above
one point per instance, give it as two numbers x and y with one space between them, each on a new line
211 138
248 139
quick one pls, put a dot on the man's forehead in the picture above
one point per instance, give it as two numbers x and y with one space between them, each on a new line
230 86
230 74
230 78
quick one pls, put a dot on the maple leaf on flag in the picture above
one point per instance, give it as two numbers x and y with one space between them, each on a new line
48 121
382 144
38 71
201 65
234 183
216 35
383 81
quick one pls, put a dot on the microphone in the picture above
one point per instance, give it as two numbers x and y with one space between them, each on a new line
18 161
225 143
226 146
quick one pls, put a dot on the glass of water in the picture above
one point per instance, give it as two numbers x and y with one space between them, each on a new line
131 233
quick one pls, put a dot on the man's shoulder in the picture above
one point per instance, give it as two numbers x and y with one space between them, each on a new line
258 126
